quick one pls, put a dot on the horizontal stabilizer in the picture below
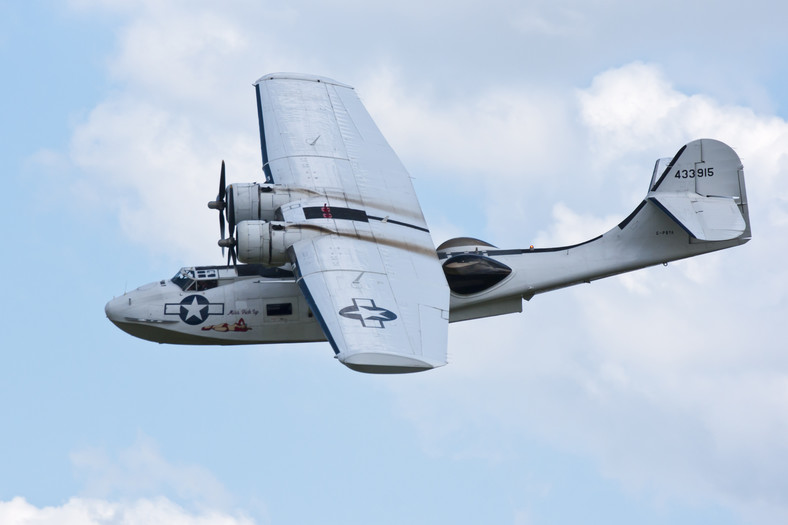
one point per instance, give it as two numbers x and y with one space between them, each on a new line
705 218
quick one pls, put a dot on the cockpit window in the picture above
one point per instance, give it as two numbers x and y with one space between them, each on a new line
204 279
469 273
206 284
183 280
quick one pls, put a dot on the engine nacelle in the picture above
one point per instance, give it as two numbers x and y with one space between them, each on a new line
463 245
257 202
467 267
266 243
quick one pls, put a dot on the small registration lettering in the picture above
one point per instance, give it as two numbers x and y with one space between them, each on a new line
665 232
693 173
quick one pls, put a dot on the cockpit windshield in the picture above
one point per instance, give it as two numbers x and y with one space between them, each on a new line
196 279
182 279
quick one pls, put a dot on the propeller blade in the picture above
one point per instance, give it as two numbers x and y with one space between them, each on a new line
231 254
220 205
221 229
222 186
232 247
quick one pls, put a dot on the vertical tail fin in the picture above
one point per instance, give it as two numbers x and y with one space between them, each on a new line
702 190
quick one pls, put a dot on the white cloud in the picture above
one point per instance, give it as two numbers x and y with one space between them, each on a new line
158 168
152 149
494 146
177 53
90 511
137 486
141 471
671 379
634 108
550 20
501 135
572 228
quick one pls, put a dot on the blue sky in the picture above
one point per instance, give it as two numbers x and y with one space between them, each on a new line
655 397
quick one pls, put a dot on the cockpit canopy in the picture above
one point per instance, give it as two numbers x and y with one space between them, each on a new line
199 278
196 279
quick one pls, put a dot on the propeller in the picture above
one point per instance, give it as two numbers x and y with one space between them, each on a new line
220 204
229 243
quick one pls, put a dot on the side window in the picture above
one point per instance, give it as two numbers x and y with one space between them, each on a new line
207 284
279 309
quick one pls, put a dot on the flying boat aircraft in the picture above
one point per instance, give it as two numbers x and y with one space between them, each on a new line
333 246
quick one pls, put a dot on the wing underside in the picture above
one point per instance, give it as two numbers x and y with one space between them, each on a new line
377 314
373 279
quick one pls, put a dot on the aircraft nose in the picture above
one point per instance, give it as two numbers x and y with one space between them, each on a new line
115 308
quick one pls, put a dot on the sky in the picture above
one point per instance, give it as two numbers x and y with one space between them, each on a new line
659 396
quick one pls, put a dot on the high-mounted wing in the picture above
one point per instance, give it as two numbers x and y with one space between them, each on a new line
371 276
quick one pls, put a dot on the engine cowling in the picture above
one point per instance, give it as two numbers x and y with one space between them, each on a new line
250 201
266 243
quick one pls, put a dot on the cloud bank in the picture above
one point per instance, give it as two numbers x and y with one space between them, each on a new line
88 511
672 382
137 485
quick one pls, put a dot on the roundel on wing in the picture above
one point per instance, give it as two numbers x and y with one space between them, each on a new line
366 311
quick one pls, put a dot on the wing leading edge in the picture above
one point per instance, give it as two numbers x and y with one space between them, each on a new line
372 279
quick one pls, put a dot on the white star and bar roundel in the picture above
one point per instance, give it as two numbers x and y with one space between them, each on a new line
194 309
366 311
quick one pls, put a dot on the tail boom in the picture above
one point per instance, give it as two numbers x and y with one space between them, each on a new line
680 217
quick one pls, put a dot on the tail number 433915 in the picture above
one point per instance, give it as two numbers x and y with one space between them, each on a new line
691 174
